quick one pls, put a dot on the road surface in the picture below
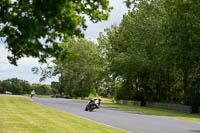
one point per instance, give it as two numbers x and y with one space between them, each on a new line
130 121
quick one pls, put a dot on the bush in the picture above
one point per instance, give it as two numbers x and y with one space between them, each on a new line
16 86
91 95
41 89
125 94
192 95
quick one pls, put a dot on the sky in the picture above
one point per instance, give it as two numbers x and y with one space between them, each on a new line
23 70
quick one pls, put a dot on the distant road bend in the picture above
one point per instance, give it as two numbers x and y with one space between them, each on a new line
130 121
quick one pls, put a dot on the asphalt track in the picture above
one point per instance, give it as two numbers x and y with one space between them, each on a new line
130 121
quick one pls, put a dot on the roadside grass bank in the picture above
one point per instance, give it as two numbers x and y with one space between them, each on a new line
156 111
20 115
104 100
40 96
108 102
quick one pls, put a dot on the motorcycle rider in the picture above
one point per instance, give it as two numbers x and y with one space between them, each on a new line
95 101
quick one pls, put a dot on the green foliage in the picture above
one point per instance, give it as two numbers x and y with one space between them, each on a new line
20 87
42 89
124 92
154 52
56 87
24 23
92 95
193 94
80 65
16 86
104 92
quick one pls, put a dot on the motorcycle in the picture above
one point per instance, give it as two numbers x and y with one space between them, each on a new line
93 104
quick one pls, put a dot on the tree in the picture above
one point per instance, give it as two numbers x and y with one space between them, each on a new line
132 49
1 87
80 65
155 52
24 23
182 30
27 87
5 86
42 89
56 87
16 86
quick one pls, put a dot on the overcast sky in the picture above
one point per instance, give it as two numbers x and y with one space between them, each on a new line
23 70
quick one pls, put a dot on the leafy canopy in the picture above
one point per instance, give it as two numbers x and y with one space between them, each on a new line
80 65
24 23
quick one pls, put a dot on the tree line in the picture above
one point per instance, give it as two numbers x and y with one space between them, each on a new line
20 87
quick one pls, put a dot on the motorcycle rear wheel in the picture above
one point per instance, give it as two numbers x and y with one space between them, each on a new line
92 108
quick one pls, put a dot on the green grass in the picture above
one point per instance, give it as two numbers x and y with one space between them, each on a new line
20 115
107 102
40 96
104 100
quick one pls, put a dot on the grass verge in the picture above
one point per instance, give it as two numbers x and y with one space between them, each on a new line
40 96
20 115
156 111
